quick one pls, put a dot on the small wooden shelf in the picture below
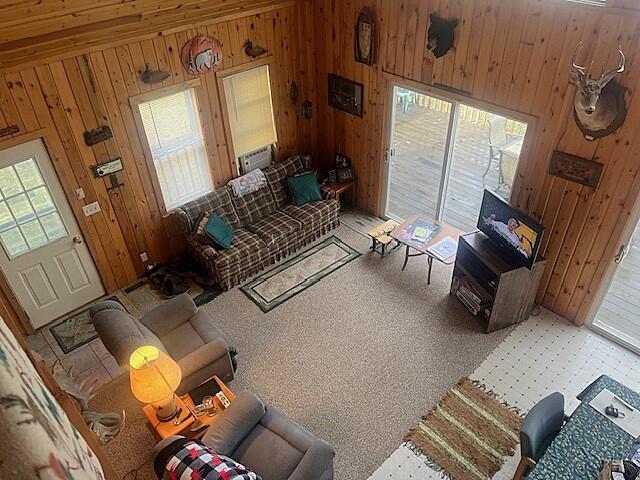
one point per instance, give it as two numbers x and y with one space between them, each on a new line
508 291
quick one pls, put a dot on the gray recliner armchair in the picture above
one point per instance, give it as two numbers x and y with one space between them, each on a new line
178 328
267 442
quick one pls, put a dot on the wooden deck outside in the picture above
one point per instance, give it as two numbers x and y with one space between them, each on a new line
621 306
420 136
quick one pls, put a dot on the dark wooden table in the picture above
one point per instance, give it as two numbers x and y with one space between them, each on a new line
403 233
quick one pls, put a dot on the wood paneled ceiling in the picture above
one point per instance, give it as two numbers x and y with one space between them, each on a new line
37 31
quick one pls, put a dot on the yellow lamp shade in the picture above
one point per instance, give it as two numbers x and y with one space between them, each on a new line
154 375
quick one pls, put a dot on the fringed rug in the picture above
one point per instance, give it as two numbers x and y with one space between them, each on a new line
468 434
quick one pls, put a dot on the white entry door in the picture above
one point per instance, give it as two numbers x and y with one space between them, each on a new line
43 254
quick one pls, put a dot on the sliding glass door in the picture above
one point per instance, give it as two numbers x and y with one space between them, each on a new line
619 313
419 136
442 155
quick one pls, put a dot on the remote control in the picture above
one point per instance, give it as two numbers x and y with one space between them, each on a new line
223 399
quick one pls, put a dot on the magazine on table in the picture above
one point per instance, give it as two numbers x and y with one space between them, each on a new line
445 248
423 231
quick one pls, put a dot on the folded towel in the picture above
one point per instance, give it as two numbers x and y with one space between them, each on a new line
249 183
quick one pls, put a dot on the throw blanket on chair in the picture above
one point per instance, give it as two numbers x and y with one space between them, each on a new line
192 459
249 183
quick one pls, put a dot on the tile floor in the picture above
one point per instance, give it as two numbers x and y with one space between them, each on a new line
542 355
90 361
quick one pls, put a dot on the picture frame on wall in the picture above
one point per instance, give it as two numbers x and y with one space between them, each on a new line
575 169
346 95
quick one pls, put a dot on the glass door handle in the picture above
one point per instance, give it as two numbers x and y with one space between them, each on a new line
621 254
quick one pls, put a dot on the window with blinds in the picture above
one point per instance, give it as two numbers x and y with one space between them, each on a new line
172 128
248 96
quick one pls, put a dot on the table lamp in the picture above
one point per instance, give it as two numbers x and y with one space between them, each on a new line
154 379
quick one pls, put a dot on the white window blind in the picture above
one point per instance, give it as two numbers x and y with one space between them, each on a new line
248 96
173 131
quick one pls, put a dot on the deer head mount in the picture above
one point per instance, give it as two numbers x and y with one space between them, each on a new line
599 107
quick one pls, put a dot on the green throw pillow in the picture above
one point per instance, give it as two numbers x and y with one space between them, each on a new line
219 231
304 189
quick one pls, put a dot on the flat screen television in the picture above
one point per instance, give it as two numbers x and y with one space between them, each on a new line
517 235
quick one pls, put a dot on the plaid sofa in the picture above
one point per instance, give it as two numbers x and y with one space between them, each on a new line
267 226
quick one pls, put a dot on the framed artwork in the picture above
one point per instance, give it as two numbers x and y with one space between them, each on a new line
345 174
346 95
332 176
342 161
576 169
365 30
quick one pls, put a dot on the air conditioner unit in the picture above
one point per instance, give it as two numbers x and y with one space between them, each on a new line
260 158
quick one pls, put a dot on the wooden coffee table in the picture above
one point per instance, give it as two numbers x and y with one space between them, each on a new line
162 430
403 233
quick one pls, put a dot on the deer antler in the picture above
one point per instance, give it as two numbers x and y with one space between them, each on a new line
579 68
607 76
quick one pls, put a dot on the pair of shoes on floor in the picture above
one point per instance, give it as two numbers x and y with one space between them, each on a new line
169 282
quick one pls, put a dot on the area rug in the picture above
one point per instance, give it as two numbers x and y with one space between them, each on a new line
76 330
288 279
468 434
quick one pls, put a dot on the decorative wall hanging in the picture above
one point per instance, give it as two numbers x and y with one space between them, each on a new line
154 76
201 54
346 95
599 107
97 135
441 35
252 51
294 93
307 110
10 130
365 39
576 169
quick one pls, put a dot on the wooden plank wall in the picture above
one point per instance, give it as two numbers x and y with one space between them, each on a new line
514 54
65 98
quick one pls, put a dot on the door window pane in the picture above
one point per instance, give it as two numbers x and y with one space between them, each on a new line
41 201
9 183
34 234
21 208
13 242
53 226
29 174
28 215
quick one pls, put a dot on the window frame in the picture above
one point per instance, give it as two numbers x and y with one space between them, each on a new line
227 72
200 110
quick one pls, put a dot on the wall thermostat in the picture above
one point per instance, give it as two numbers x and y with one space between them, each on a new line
108 168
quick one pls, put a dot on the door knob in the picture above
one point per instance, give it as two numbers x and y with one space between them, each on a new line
77 239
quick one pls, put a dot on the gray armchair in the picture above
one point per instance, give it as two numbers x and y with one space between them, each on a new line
178 328
265 441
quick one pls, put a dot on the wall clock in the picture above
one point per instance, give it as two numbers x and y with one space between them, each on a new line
365 30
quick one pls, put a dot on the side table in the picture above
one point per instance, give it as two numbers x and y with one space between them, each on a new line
162 430
339 188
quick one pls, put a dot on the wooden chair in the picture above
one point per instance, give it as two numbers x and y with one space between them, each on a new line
539 428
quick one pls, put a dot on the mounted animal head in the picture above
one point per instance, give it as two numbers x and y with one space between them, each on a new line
441 35
596 107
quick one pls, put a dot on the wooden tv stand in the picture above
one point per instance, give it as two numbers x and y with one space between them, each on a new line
504 292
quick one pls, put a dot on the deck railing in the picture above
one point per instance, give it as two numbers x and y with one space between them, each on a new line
467 113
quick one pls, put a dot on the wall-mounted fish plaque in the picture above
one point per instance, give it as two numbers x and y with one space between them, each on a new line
10 130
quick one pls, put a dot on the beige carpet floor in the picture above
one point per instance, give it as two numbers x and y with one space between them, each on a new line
355 359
